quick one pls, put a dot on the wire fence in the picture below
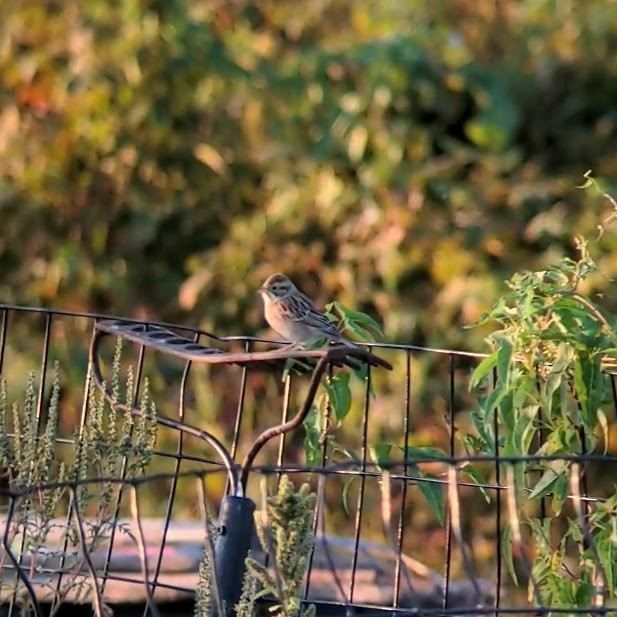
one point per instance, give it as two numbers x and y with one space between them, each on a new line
112 487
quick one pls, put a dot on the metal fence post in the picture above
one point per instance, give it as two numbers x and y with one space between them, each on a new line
232 546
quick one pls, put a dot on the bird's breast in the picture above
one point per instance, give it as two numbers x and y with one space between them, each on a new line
277 319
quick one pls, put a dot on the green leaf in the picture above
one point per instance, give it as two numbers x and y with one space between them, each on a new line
312 451
380 453
504 360
347 452
507 413
485 440
506 544
339 394
358 323
525 430
351 455
550 479
433 493
560 493
524 391
584 593
494 398
482 371
478 477
312 437
497 117
606 549
356 317
262 593
346 485
423 453
360 373
294 366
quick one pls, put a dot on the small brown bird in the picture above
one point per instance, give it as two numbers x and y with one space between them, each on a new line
293 315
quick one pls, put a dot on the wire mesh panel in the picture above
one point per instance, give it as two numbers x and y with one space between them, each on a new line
128 447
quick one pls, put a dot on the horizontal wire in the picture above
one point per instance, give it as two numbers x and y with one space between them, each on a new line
344 469
228 338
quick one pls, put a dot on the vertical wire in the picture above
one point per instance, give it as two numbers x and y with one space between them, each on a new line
72 503
143 552
448 521
97 600
285 417
599 576
3 333
209 550
582 479
44 363
123 467
607 447
401 525
176 470
360 503
39 407
19 574
497 602
279 457
320 506
239 410
239 417
517 537
454 505
540 439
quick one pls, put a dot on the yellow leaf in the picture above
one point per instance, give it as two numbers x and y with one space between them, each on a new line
357 143
210 157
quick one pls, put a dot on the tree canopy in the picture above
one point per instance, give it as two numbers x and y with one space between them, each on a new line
160 159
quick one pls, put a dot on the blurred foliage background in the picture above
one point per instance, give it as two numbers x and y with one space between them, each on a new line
158 159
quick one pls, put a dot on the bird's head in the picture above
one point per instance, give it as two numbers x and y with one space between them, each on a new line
277 286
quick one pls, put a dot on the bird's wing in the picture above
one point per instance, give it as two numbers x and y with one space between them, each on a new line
304 310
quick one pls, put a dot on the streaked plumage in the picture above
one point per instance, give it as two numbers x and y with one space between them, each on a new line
293 315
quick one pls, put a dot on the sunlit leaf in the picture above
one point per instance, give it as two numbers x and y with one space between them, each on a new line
209 156
339 394
551 479
358 323
482 371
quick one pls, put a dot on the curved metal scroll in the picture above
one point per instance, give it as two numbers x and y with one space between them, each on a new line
164 340
274 431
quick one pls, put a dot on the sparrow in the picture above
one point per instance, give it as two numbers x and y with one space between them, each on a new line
293 315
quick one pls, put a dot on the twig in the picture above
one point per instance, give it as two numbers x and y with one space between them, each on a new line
517 537
600 582
97 600
209 549
455 522
143 553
